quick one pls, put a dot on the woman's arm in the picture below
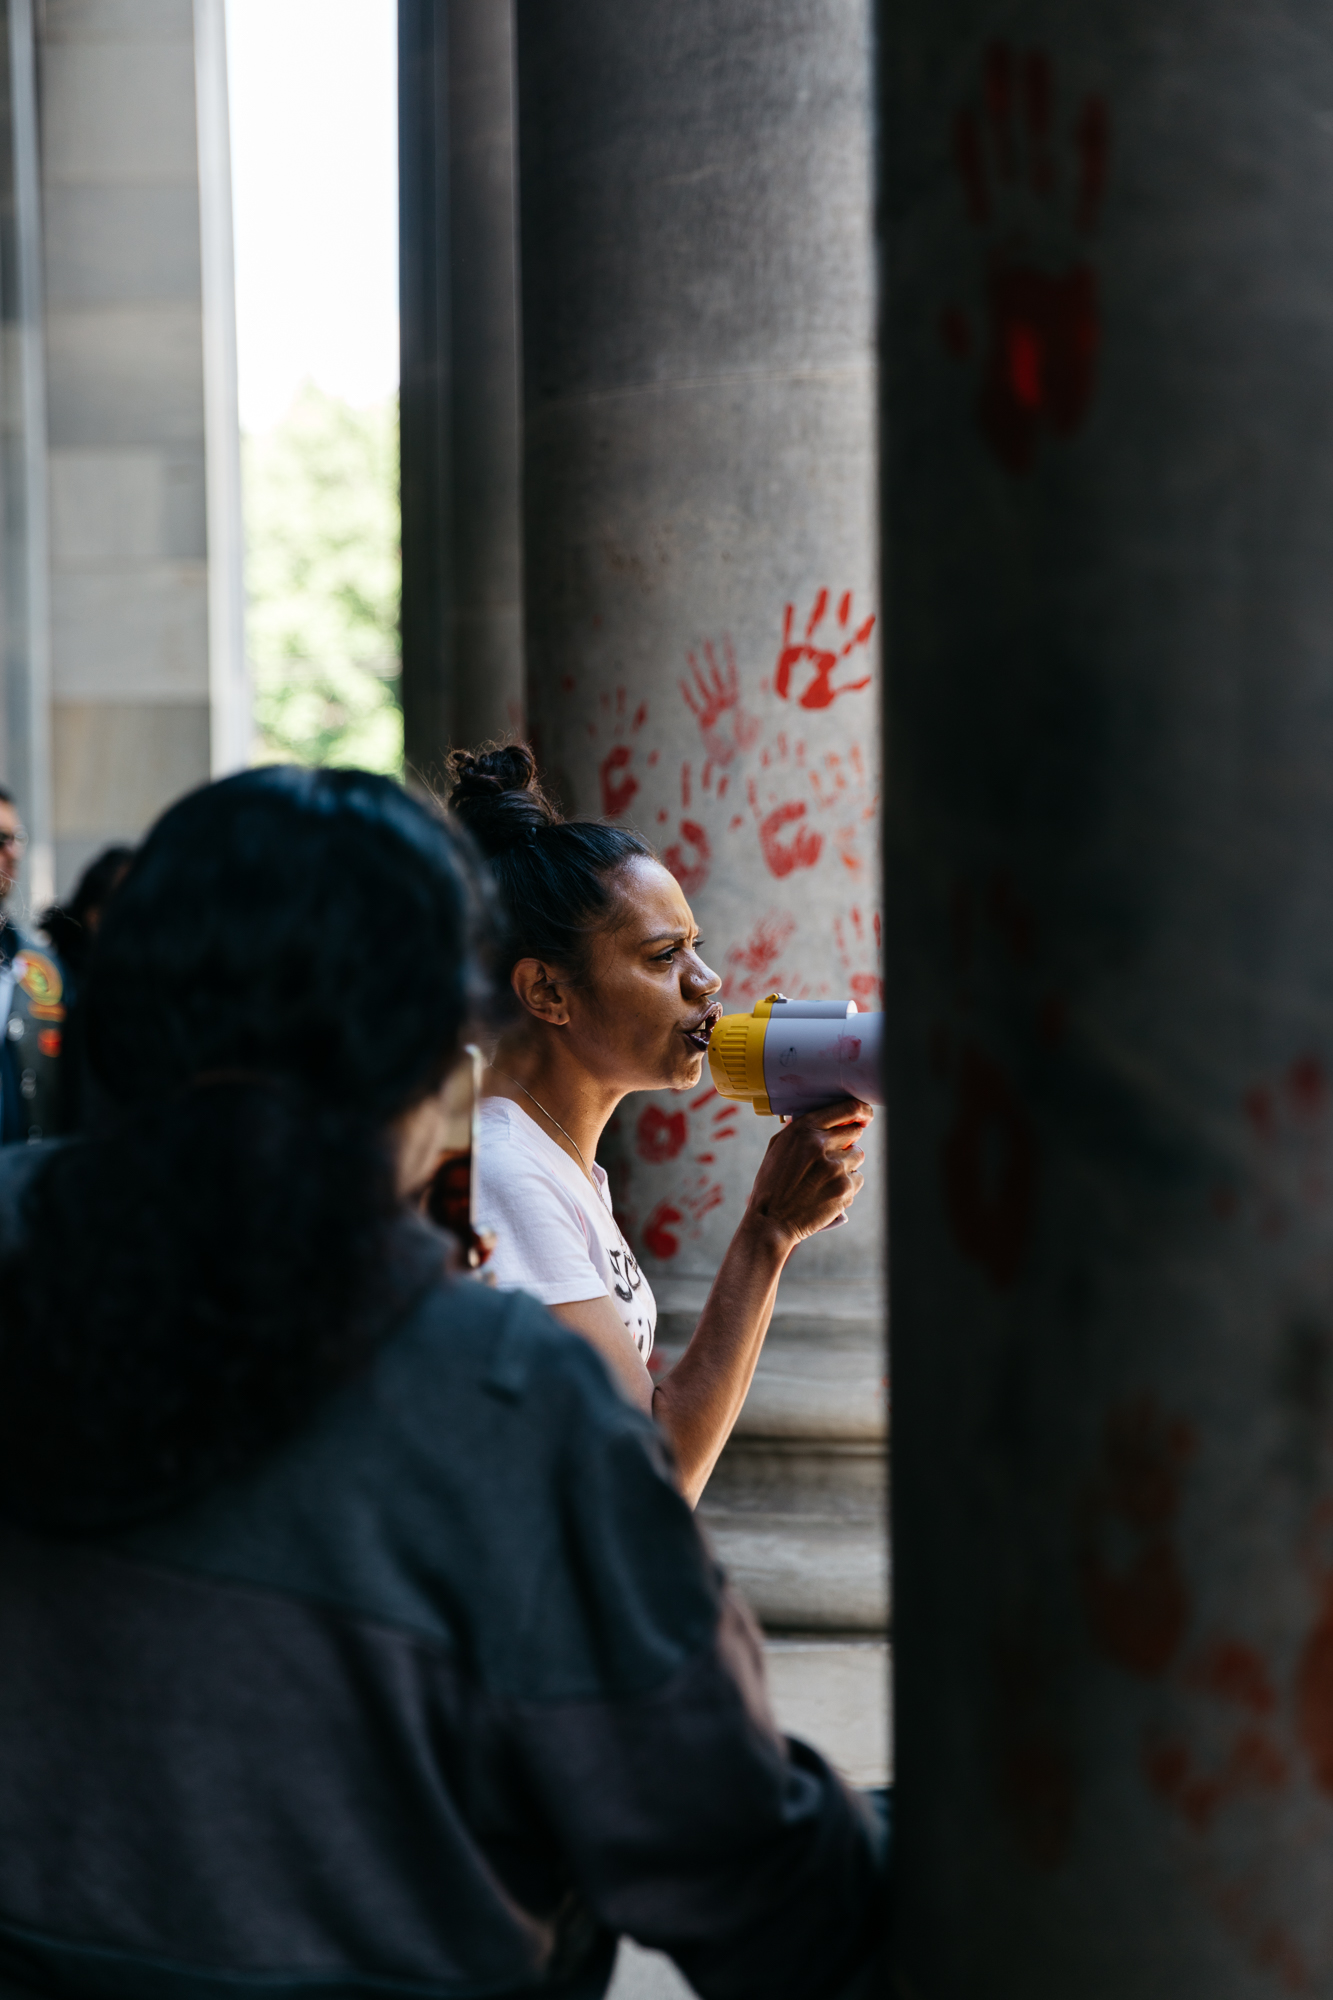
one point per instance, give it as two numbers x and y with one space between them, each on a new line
810 1172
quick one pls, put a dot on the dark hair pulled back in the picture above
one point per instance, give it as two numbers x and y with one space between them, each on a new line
556 876
286 967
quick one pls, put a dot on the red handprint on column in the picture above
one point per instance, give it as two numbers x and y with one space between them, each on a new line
619 785
859 945
714 699
1044 331
755 967
786 838
690 857
825 659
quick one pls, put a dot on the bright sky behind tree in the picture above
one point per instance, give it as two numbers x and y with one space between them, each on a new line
314 137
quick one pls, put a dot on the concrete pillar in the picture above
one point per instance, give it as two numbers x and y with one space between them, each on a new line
702 614
462 529
137 698
25 713
1110 397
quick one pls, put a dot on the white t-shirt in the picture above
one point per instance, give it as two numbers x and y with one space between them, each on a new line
556 1236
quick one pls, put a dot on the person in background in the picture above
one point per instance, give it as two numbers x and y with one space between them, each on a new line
69 928
612 995
356 1639
32 1008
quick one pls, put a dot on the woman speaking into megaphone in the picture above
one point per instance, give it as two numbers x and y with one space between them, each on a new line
612 995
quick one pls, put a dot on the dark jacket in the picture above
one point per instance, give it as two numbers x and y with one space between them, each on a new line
32 1054
434 1701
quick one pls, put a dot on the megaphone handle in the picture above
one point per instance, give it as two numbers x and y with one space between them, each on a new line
838 1219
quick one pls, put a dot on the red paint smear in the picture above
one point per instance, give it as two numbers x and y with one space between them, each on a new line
657 1230
690 873
785 856
989 1164
1136 1598
1254 1763
1235 1673
1041 364
659 1135
1314 1695
696 1103
619 785
819 692
1307 1086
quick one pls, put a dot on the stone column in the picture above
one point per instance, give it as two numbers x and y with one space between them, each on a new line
462 529
136 695
25 714
1110 397
702 610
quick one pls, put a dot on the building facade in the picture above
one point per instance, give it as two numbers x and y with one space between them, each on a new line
124 651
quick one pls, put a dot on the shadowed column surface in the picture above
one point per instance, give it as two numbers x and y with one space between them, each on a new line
1109 388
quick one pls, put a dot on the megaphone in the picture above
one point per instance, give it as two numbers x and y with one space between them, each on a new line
791 1056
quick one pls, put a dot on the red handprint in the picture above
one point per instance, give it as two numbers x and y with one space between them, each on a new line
854 942
659 1237
715 702
754 968
1044 332
819 691
1134 1587
786 838
619 785
690 857
660 1135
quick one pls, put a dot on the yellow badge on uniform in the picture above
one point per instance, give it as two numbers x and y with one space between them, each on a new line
39 976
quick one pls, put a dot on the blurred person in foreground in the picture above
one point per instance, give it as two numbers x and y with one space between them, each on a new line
69 928
32 1008
356 1637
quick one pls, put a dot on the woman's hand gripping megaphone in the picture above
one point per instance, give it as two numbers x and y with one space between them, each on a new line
815 1062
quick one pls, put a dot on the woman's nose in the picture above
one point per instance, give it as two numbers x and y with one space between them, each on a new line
699 977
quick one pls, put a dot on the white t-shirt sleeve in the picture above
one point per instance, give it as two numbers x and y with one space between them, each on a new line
541 1239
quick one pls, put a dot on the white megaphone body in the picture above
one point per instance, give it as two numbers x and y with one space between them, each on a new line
790 1056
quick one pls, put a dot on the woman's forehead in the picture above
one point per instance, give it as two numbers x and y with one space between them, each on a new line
653 898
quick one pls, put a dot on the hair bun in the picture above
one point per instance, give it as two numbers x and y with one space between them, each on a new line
498 796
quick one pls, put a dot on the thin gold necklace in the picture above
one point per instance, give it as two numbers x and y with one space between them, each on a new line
615 1220
545 1114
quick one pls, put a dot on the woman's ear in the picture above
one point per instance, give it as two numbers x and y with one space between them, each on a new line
541 991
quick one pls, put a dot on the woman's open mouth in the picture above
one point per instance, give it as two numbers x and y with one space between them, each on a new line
699 1036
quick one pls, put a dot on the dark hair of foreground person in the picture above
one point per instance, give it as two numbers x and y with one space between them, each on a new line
357 1640
282 973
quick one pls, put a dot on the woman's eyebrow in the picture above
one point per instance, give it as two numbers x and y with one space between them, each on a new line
663 937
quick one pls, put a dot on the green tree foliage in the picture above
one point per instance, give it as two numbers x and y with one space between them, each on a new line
323 579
